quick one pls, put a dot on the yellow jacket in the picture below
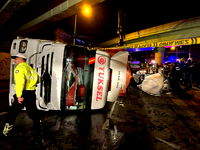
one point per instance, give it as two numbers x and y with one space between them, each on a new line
26 78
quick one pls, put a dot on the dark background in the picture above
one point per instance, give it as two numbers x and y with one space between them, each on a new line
102 25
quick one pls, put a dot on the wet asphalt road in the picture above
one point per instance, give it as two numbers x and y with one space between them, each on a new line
137 121
79 131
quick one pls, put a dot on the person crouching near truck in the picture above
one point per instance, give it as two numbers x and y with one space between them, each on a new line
26 79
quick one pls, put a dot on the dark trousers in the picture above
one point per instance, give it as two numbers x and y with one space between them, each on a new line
31 108
175 85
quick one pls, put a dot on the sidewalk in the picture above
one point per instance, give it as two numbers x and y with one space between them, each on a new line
172 123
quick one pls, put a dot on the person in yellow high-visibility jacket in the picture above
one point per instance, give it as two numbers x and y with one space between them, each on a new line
26 79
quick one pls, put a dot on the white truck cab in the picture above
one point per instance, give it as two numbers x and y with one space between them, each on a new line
72 77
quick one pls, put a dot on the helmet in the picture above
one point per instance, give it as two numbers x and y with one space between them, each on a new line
19 55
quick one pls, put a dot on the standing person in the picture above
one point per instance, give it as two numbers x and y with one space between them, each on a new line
176 74
26 79
188 74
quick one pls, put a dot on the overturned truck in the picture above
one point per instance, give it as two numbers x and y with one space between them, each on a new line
72 77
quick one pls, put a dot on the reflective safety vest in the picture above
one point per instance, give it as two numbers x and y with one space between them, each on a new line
26 78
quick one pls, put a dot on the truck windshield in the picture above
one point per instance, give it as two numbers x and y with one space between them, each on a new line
78 78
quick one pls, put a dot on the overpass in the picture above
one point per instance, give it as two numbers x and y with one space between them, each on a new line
182 32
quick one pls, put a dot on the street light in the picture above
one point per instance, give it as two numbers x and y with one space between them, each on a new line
86 11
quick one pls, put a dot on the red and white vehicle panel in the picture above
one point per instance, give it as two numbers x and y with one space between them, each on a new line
101 80
118 64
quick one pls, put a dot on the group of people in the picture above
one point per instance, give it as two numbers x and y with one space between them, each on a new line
183 74
179 77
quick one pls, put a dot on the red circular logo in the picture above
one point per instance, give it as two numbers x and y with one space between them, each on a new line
101 60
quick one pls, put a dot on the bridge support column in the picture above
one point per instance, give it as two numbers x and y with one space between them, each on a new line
159 55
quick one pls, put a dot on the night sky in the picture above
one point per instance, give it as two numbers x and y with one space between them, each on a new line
139 15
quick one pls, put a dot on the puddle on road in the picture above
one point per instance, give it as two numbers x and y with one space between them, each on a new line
82 131
72 132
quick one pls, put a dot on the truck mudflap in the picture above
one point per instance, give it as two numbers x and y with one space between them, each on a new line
101 79
118 64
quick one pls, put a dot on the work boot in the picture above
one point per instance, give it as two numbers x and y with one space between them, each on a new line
7 129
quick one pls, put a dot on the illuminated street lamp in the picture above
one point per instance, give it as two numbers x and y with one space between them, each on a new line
87 12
